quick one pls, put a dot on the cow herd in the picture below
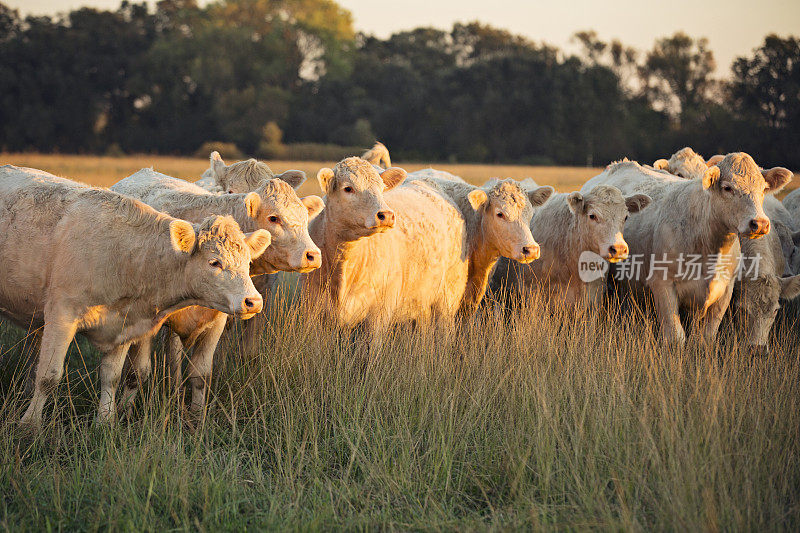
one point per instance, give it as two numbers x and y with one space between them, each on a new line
383 247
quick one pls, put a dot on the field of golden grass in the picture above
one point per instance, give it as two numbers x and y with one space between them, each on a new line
104 171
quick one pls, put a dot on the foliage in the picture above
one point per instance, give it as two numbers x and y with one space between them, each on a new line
170 79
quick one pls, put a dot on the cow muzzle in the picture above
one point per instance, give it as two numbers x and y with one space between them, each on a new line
383 220
616 252
758 227
310 260
249 306
528 253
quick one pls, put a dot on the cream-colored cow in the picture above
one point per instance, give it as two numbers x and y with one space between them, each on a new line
390 252
685 163
567 226
82 259
697 221
497 217
273 206
768 268
243 176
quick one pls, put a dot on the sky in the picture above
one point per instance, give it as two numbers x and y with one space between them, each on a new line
733 27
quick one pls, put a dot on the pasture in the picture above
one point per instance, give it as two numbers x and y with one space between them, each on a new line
523 418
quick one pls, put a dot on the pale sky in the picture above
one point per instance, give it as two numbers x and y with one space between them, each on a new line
733 27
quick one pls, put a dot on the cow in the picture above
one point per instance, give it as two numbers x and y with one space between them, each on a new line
685 163
378 156
497 217
243 176
568 226
767 270
273 206
89 260
687 242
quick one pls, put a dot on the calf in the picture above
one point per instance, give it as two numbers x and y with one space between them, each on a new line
273 206
82 259
567 226
699 219
685 163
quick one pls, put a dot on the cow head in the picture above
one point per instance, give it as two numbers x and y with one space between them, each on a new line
246 176
737 187
599 217
757 303
218 263
685 163
354 202
275 206
506 212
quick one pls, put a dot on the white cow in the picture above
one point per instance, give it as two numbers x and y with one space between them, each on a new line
273 206
687 242
567 226
88 260
243 176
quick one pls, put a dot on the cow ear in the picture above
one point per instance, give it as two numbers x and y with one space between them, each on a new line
637 202
477 198
325 179
710 177
182 236
257 241
777 177
540 195
715 159
392 177
790 287
314 204
295 178
218 168
796 238
575 202
661 164
252 201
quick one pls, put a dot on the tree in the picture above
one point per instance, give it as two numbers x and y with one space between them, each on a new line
676 74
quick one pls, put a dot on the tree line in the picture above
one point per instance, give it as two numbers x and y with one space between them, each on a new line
260 73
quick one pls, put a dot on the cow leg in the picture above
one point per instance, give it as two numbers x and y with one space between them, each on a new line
666 299
138 372
714 315
110 373
202 361
58 333
175 354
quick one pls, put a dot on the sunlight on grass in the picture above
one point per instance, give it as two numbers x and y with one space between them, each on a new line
521 418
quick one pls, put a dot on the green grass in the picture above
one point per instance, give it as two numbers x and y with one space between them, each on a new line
520 420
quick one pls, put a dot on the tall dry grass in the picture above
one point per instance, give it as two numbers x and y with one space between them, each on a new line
523 419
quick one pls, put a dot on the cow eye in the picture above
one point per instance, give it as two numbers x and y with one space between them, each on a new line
592 216
626 218
348 189
500 215
215 263
727 188
274 219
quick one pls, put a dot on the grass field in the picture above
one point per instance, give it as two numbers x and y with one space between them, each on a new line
521 419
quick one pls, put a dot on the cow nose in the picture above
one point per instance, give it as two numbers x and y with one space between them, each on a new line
384 218
531 252
252 305
759 226
312 259
618 250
